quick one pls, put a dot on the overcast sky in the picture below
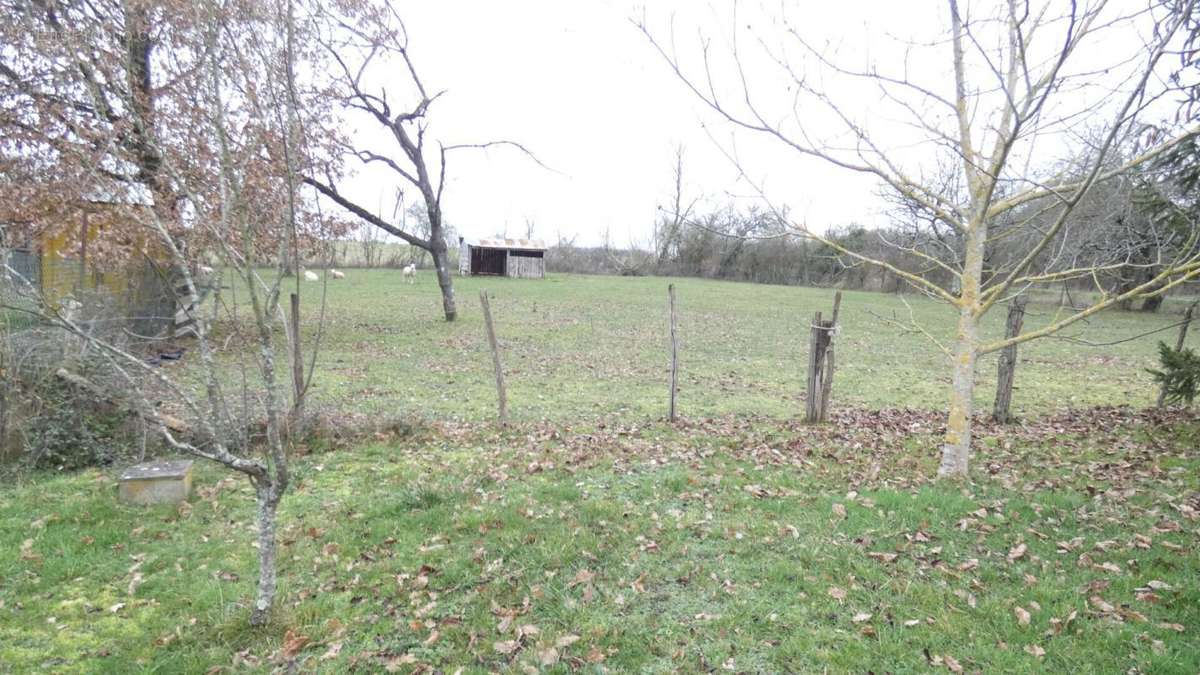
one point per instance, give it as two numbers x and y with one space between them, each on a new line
581 87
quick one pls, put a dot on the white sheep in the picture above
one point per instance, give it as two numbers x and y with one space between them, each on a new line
337 274
410 272
310 275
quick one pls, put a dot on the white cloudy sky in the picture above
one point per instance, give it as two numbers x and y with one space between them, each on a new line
580 86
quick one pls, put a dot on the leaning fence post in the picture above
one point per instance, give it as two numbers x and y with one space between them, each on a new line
674 352
1006 370
827 370
491 334
812 403
1183 331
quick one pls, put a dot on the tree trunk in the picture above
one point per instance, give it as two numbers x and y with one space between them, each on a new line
1153 303
1008 364
956 450
268 502
437 251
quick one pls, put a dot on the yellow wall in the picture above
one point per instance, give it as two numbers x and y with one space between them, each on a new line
60 268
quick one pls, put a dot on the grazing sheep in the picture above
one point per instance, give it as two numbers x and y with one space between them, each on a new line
206 270
410 272
310 275
336 274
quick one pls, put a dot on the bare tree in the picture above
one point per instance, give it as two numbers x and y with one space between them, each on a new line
1014 77
366 43
631 261
371 244
220 157
668 229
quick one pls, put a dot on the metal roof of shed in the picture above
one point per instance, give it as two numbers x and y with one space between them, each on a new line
523 244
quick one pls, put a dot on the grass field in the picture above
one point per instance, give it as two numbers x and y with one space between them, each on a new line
593 537
582 347
737 545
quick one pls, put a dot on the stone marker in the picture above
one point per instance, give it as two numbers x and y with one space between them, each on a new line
157 482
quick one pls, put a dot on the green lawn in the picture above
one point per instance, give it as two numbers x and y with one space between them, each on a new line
748 545
587 347
591 536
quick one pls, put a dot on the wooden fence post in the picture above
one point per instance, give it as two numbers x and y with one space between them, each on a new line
1007 367
827 369
491 334
1183 331
812 402
671 412
820 364
297 360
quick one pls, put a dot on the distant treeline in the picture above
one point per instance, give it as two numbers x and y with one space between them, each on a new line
1118 242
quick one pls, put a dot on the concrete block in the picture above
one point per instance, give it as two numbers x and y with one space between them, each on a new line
157 482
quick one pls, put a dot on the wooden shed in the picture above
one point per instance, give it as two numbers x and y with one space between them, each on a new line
518 258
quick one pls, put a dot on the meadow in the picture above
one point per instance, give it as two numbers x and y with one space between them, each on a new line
581 348
592 536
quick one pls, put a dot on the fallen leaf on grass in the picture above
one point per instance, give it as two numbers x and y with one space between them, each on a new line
293 643
506 646
583 576
1022 615
861 617
566 641
1099 603
332 652
836 593
883 557
1035 650
1057 626
1017 552
27 551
